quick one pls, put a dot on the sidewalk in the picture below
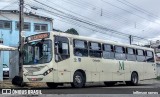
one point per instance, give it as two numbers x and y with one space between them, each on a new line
8 84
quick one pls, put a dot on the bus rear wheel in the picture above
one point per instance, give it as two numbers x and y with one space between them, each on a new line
52 85
134 79
78 80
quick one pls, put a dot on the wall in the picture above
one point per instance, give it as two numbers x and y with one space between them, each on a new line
11 36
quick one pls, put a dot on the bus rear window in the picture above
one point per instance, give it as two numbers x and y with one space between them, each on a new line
141 56
149 56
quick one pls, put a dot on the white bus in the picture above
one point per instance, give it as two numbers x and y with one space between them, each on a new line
58 58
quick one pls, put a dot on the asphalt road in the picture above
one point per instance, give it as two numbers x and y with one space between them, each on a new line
101 90
147 86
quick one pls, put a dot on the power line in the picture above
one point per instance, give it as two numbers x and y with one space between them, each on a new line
106 13
10 4
78 25
128 11
82 21
138 9
80 14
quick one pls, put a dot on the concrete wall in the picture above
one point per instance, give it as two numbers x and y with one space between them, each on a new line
11 36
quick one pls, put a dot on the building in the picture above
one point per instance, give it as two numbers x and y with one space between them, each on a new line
156 46
9 32
4 71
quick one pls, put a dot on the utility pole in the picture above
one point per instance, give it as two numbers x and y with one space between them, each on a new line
21 40
130 39
101 11
18 80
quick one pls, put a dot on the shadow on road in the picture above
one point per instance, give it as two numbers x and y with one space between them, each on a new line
94 86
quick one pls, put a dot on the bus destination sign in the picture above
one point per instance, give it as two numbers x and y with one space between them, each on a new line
38 36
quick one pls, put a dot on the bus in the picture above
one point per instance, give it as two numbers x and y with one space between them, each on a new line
58 58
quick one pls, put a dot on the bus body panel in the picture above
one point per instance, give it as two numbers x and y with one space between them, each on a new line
96 69
64 71
149 70
105 69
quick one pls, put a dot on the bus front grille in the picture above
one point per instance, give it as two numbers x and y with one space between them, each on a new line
33 69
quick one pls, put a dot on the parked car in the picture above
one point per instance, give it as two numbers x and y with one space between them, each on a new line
5 70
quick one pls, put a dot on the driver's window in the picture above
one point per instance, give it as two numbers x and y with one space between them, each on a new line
61 48
64 49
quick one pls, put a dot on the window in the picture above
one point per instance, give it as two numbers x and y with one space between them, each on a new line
108 51
140 55
37 27
37 52
95 46
80 48
131 54
120 53
26 27
61 48
5 24
149 56
40 27
95 49
44 28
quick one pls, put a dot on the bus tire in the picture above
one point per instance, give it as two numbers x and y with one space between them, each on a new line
78 80
134 79
52 85
109 83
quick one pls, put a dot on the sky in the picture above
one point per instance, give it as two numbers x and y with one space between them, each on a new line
136 17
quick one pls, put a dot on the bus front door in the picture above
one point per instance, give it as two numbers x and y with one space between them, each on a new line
62 58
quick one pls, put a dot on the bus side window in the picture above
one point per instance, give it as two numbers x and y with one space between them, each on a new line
141 55
80 48
95 49
120 53
108 51
149 56
131 54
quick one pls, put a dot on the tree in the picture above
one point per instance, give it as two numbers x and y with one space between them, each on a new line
72 31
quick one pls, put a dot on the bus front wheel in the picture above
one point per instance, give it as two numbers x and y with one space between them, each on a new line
52 85
78 80
134 79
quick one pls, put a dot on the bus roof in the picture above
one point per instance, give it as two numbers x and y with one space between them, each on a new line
98 40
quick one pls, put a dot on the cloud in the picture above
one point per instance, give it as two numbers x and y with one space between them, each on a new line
116 16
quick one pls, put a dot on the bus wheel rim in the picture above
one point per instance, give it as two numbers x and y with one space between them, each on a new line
78 79
135 79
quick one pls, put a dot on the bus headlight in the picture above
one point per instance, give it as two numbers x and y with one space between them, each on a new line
48 71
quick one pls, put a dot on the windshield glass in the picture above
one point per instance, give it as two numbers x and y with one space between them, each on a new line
37 52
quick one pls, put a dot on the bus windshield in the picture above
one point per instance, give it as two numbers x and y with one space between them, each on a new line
37 52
